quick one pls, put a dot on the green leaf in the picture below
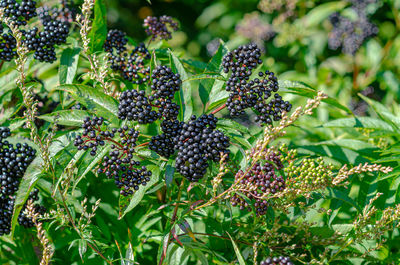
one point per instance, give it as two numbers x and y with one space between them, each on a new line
98 34
238 254
68 65
66 117
104 105
185 94
32 174
127 203
129 256
302 89
360 122
213 66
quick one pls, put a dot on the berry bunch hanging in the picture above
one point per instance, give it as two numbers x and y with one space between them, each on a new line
14 160
277 261
8 45
258 181
160 27
119 164
163 144
19 13
245 93
135 105
351 34
197 143
131 66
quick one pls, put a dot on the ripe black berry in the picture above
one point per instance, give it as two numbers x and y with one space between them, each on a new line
159 27
245 93
8 45
14 160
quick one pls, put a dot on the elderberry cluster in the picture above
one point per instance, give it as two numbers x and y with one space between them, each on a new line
351 34
14 160
119 164
277 261
8 45
131 66
160 27
198 142
259 180
19 13
245 93
135 105
66 13
164 144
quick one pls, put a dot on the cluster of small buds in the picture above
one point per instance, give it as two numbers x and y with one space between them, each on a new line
257 182
160 27
8 45
277 261
351 34
19 13
131 66
23 219
245 93
308 175
119 163
198 142
14 160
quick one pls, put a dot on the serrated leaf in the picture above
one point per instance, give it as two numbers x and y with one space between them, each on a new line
98 34
213 66
66 117
302 89
68 65
360 122
104 105
128 203
32 174
185 94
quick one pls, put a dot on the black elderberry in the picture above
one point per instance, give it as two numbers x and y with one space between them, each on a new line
19 13
134 105
197 143
351 34
8 45
258 181
131 66
165 83
117 40
119 164
277 261
14 160
245 93
160 27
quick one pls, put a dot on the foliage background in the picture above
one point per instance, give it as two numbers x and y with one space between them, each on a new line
366 86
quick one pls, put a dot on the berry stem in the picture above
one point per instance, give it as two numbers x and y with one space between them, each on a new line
143 144
219 109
